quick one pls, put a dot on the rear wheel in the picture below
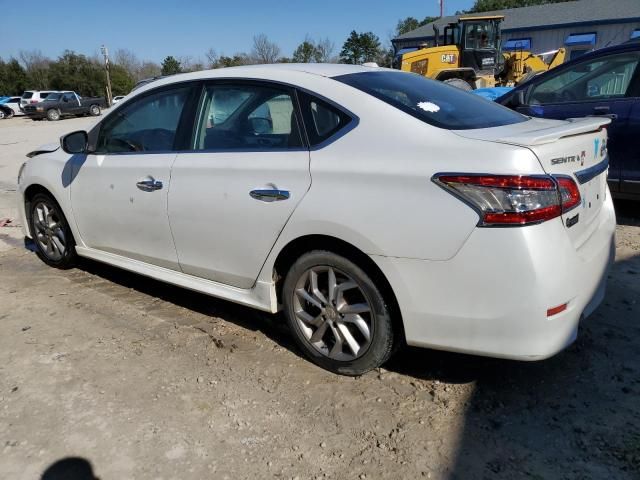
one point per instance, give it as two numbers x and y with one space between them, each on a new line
459 83
54 241
337 314
94 110
53 115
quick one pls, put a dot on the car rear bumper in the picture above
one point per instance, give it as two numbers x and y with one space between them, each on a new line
492 297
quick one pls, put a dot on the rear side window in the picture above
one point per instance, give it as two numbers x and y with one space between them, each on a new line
432 102
321 119
247 117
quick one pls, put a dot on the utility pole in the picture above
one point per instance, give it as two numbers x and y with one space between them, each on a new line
441 2
105 54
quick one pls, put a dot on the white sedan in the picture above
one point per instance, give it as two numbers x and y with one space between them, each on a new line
374 207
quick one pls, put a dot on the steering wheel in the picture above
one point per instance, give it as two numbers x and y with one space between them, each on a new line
158 137
125 143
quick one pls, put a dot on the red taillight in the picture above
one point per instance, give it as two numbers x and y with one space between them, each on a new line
569 193
513 199
33 101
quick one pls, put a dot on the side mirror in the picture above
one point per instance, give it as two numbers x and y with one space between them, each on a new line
75 142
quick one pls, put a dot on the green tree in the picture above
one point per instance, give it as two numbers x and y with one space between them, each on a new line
306 52
410 23
121 80
170 66
360 48
76 72
488 5
13 78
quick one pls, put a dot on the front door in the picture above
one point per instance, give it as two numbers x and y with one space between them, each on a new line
596 86
119 194
233 193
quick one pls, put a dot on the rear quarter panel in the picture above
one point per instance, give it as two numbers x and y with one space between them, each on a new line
372 187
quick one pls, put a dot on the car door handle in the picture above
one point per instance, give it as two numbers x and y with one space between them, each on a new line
269 195
149 184
604 112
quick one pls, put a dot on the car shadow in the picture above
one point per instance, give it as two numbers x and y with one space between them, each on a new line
271 325
575 415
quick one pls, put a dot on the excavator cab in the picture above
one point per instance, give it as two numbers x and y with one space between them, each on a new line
466 55
479 43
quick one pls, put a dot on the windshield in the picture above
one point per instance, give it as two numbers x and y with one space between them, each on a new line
432 102
53 97
480 35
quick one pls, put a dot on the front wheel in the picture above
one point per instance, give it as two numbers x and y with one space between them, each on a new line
50 231
337 314
459 83
53 115
94 110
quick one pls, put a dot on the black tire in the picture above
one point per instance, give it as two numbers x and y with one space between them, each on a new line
94 110
459 83
381 344
53 115
69 258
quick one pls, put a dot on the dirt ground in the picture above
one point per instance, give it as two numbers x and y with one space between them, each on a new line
148 381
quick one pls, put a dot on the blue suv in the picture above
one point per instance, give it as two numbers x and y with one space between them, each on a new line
604 82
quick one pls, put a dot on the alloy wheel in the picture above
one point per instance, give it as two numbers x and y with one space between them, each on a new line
49 231
333 313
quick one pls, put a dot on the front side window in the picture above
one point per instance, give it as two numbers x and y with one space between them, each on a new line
431 101
148 124
68 97
247 117
598 79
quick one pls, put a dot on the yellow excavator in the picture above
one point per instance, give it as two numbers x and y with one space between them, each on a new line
469 56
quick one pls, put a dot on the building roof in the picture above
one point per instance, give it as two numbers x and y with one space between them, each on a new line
547 15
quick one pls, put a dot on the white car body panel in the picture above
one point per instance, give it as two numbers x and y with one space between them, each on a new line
459 287
220 232
113 215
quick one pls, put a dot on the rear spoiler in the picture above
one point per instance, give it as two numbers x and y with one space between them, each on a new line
576 126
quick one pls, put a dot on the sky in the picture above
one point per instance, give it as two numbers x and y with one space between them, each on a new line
153 29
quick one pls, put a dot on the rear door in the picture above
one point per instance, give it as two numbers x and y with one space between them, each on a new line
232 194
595 86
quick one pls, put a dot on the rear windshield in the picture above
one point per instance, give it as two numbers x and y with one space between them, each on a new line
27 95
432 102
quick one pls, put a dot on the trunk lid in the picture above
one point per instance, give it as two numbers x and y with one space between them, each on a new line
575 148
